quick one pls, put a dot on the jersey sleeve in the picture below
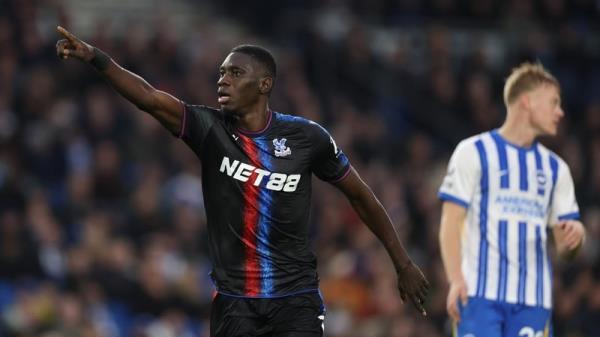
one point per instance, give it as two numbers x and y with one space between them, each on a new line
196 122
564 204
462 176
328 162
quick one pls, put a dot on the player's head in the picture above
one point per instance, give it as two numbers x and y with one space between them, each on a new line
261 55
246 76
531 89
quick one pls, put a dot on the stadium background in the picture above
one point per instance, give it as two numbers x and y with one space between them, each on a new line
102 231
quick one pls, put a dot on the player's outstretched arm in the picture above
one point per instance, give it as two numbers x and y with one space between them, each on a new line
164 107
412 284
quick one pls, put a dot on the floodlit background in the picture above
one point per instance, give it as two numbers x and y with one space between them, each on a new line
102 227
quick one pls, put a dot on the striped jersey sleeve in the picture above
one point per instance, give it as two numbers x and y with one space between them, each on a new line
329 163
564 204
196 122
462 175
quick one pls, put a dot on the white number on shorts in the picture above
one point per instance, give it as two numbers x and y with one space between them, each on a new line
528 331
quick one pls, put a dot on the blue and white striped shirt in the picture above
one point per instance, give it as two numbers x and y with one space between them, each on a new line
514 195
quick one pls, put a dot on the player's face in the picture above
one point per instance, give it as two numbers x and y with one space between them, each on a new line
546 111
238 85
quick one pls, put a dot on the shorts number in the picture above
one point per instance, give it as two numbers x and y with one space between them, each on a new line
529 332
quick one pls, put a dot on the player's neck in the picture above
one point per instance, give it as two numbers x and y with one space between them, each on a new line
255 120
517 132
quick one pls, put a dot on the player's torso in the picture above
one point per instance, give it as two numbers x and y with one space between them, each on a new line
506 255
257 195
271 168
520 182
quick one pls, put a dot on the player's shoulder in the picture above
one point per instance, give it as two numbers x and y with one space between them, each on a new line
291 120
469 144
553 156
298 123
198 108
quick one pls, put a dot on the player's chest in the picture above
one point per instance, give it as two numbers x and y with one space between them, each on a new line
522 177
272 153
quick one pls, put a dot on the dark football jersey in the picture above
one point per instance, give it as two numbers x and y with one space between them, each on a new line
257 192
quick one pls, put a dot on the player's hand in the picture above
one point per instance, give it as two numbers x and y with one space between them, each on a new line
572 232
458 291
71 46
413 286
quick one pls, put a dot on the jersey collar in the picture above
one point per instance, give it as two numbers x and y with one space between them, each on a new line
253 134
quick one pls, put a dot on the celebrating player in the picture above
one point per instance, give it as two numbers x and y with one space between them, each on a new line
504 195
256 173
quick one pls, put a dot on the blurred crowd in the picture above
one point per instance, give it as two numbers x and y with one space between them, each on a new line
102 226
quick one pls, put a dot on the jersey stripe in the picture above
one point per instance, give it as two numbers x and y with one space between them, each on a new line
569 216
523 183
504 172
483 208
522 261
539 174
539 266
554 169
250 220
448 197
502 243
264 225
547 291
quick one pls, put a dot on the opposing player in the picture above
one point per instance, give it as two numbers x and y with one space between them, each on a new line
256 173
504 196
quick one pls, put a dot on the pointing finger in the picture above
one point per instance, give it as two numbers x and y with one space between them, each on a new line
66 34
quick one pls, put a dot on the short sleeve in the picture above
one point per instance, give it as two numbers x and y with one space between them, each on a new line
328 162
462 176
564 204
196 122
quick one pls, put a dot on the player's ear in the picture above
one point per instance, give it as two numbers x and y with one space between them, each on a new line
525 101
265 85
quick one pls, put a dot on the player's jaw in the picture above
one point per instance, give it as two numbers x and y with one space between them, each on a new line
238 97
551 120
547 112
231 101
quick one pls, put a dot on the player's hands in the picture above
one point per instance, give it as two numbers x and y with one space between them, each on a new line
572 233
71 46
458 291
413 286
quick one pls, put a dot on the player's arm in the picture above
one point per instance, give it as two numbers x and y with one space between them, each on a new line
164 107
411 282
569 237
456 192
453 218
568 232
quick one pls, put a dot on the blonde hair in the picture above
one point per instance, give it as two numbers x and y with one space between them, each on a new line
526 77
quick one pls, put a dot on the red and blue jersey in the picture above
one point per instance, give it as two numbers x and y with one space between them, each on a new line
257 193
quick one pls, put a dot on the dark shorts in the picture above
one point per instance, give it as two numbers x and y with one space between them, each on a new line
299 315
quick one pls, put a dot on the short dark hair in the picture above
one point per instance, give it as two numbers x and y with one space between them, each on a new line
261 55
